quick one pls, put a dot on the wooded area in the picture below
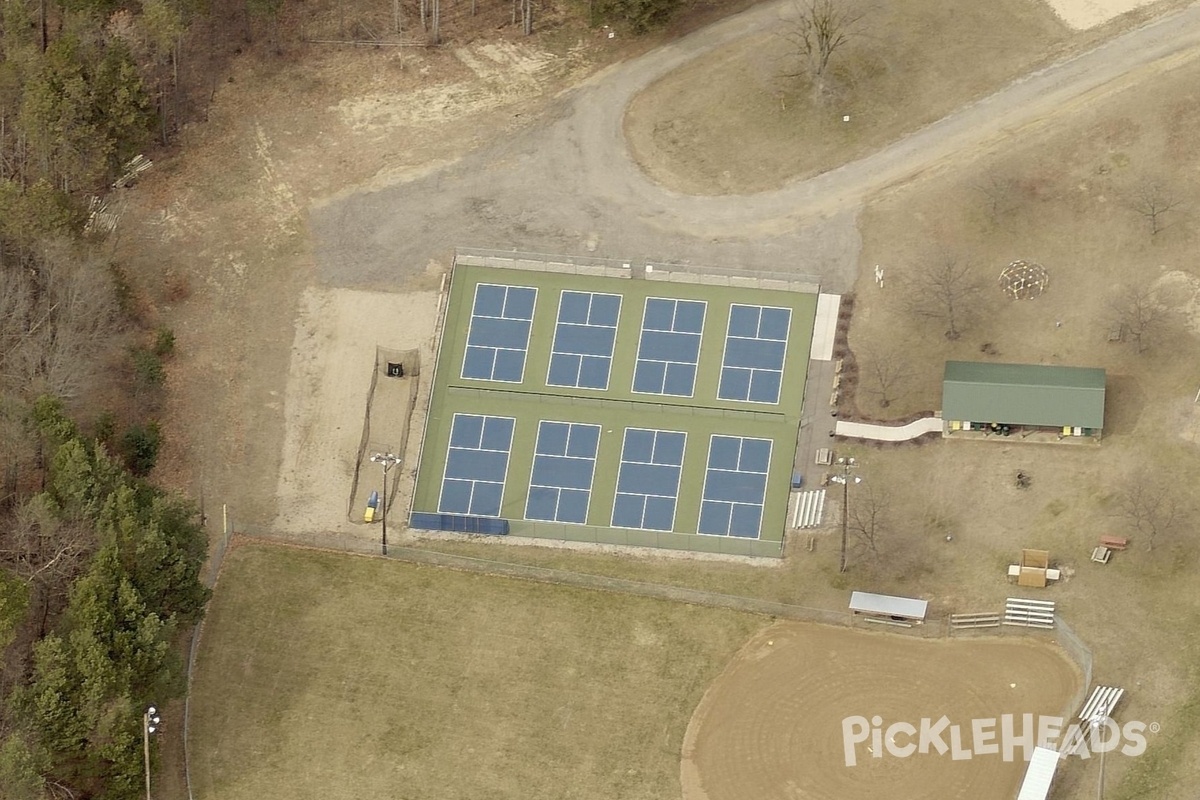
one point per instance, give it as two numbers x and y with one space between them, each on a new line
99 569
100 572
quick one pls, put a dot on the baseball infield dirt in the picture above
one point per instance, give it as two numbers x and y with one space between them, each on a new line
771 726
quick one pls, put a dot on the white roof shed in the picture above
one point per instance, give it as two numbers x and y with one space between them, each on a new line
1039 775
883 605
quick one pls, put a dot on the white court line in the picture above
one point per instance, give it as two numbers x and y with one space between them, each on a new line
694 364
537 443
480 449
709 473
558 324
729 337
678 480
497 348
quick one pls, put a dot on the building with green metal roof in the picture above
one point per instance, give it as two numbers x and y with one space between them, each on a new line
981 398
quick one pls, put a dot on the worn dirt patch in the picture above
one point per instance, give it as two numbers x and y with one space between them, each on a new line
485 77
333 358
1080 14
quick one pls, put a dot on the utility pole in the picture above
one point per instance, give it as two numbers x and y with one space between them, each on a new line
846 464
387 461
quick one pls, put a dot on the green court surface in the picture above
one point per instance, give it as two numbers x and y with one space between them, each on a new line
516 394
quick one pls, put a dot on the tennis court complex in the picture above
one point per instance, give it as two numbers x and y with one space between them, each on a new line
623 408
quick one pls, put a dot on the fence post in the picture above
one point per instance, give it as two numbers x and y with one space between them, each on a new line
214 569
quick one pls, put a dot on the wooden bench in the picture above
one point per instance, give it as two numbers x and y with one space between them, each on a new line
1114 542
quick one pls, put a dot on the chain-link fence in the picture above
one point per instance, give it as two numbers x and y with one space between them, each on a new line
216 558
417 555
632 268
633 406
1068 640
542 262
934 627
725 276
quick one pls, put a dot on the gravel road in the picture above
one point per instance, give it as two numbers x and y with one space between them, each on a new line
568 184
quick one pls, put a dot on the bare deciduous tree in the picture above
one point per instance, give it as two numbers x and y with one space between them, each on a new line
820 29
885 371
1151 506
1001 194
45 552
869 525
527 17
1154 199
945 288
431 20
38 546
17 448
1139 313
55 316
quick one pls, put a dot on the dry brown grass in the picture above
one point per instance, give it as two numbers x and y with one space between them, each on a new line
1069 212
323 675
729 123
1069 217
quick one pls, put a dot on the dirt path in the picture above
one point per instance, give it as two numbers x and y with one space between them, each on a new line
570 185
1027 103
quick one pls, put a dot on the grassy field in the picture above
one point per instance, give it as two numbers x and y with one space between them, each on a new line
327 676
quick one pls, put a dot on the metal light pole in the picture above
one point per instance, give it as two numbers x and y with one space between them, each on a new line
387 461
1096 722
150 721
846 464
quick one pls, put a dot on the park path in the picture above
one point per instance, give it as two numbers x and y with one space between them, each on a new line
569 185
888 433
1053 92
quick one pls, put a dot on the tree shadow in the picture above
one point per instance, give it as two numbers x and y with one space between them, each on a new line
1124 402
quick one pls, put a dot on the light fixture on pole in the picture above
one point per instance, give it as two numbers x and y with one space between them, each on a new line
150 723
1096 722
387 461
846 465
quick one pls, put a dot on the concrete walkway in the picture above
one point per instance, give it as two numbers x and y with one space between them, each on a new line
888 433
825 327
